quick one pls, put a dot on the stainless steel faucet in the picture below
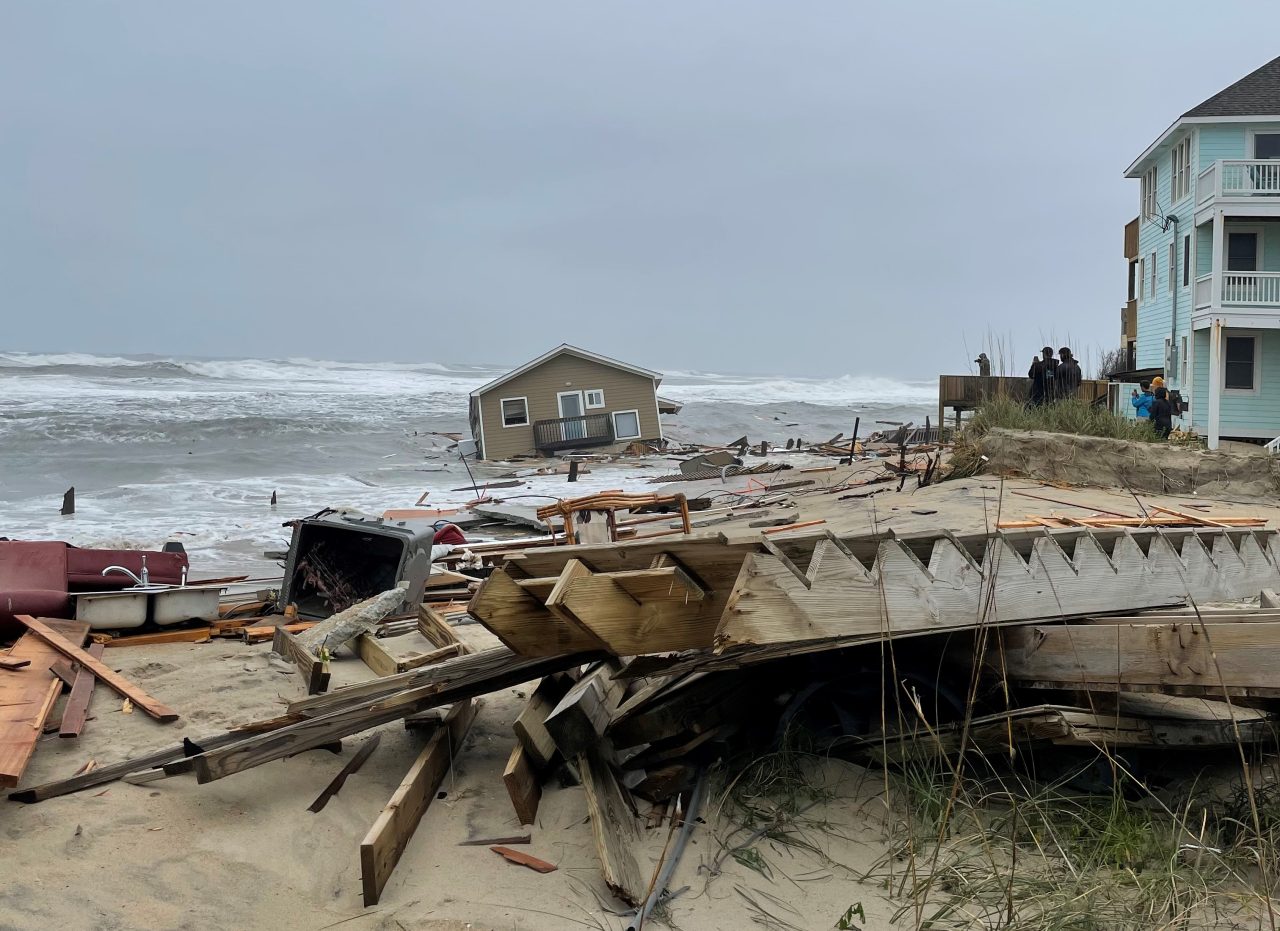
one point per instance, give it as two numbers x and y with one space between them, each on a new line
137 582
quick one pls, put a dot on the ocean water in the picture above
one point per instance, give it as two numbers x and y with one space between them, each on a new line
192 450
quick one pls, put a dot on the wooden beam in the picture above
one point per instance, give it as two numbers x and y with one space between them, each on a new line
614 828
376 656
433 626
1187 654
27 695
195 635
382 847
113 679
76 709
12 664
531 724
578 721
521 622
346 715
314 672
522 785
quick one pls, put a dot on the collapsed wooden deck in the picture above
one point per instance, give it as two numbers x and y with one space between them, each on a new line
721 594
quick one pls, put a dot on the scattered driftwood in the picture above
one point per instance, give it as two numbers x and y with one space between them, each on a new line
353 764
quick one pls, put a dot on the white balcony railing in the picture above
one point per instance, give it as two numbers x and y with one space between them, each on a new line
1204 291
1239 178
1207 184
1258 288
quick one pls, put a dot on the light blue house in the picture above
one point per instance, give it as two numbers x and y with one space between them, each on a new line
1209 259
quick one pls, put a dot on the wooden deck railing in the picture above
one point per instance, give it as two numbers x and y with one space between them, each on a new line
573 432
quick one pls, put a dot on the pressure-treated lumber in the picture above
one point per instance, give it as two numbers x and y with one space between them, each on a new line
522 784
109 676
579 719
531 724
343 715
614 827
11 664
433 626
1190 656
76 709
1063 726
381 848
385 663
27 695
521 622
1018 578
353 764
194 635
314 671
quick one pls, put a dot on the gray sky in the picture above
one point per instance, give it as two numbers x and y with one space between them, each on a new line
798 188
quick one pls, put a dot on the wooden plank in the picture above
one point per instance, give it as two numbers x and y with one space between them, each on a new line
12 664
353 764
614 828
521 858
522 785
113 679
539 588
445 578
76 709
1208 656
433 626
27 695
376 656
531 724
352 714
382 847
196 635
579 719
315 672
522 622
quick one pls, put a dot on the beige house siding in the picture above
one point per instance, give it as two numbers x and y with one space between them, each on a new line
623 391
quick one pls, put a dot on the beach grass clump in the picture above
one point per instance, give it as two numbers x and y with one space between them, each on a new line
1071 416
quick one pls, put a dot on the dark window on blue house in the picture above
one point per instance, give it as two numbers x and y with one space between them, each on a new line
1239 363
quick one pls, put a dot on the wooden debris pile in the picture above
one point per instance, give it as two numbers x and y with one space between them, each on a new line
656 660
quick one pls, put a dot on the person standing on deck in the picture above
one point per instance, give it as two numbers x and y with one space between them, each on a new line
1041 375
1068 377
984 365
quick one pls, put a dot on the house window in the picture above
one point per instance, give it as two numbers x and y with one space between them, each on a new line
1142 279
1173 257
1180 163
1149 193
626 425
1242 252
1182 378
1152 268
1186 261
1266 145
515 412
1240 369
595 397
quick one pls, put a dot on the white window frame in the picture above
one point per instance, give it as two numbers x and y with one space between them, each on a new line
1172 263
1186 261
588 404
502 413
1183 365
639 430
1142 278
1150 202
1256 336
1255 131
1259 232
1180 171
1153 268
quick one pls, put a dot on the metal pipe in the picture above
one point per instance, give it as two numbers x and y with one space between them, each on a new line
669 865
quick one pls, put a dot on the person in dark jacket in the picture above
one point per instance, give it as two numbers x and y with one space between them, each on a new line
1041 375
1068 377
1162 413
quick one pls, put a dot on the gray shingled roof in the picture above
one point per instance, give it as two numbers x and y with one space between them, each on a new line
1255 94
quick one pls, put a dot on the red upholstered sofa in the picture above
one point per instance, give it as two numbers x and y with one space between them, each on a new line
37 578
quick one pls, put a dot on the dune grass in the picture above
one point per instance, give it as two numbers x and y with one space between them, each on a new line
1073 416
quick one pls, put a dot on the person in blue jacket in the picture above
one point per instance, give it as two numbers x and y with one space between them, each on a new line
1142 402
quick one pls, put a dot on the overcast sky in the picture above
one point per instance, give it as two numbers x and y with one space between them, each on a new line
780 187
